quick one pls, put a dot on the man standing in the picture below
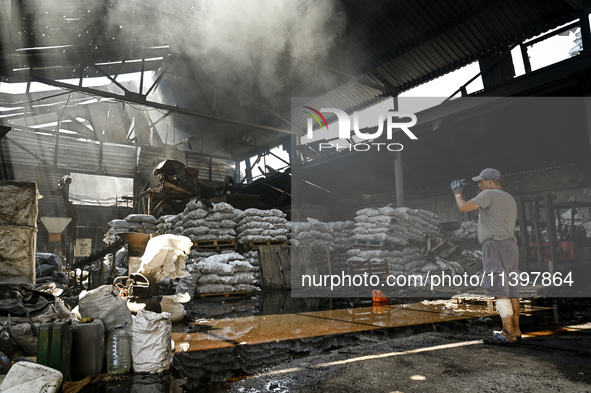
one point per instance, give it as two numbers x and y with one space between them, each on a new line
500 257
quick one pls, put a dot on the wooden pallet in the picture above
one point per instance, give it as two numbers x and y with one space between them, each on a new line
466 298
216 244
371 268
265 243
371 243
228 294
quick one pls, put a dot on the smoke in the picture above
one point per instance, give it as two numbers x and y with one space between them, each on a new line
253 45
224 52
247 44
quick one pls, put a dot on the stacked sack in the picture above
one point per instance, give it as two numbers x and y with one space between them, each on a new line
199 223
188 284
395 226
404 260
336 236
401 230
140 223
224 273
441 265
166 224
467 230
376 225
420 223
342 234
252 257
312 233
255 225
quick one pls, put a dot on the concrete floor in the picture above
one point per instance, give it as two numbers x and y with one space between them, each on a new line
550 361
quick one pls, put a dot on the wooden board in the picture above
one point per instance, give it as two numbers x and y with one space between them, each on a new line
304 262
322 260
275 267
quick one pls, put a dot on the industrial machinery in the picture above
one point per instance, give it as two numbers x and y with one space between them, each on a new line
137 287
551 242
172 185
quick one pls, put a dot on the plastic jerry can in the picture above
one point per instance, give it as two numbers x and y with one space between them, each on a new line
88 346
54 347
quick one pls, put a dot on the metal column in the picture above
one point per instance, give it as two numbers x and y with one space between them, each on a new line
399 179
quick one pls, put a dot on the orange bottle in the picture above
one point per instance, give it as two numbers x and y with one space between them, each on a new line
378 297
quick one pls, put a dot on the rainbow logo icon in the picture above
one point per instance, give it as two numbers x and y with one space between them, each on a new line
316 114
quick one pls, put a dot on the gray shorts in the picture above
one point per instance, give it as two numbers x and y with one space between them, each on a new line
499 259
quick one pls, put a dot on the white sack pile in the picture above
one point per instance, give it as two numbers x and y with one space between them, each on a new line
397 227
224 273
312 233
188 284
140 223
406 260
342 232
255 225
199 223
252 257
315 233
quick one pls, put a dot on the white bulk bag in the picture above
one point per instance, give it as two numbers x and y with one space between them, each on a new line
165 256
151 337
27 377
101 303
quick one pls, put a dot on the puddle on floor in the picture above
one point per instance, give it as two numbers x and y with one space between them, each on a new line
236 337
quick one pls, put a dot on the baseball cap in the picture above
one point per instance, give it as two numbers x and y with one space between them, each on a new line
488 174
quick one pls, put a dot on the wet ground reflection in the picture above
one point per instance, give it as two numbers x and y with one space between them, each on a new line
234 337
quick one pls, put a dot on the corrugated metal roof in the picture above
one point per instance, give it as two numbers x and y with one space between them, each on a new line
416 41
28 148
385 47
